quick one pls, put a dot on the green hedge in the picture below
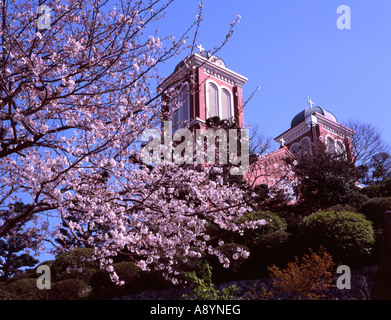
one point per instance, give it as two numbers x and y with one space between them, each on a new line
69 289
348 236
372 191
126 271
25 289
385 187
73 259
253 238
374 209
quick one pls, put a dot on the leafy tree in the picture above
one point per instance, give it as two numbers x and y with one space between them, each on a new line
11 260
325 179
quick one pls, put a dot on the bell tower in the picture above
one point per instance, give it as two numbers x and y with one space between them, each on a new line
202 87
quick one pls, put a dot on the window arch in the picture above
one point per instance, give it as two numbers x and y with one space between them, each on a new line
341 149
182 106
305 145
212 101
226 105
330 145
295 148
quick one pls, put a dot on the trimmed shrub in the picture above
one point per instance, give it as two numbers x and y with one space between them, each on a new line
356 200
385 188
252 238
67 264
69 289
230 250
23 275
341 208
275 239
5 295
348 236
374 209
25 289
372 191
126 271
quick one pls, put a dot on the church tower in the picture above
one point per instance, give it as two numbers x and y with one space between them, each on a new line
202 87
314 126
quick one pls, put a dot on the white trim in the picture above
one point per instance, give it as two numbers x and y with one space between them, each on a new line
196 60
296 144
293 133
231 101
309 143
326 139
220 72
207 98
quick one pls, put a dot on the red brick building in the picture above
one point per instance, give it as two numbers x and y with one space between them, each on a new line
205 88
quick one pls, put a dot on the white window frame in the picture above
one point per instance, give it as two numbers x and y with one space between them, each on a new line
309 143
327 142
231 101
208 82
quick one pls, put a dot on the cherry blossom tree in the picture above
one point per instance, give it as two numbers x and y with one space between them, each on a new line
75 96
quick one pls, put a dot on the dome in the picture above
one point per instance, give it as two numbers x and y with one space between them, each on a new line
206 55
300 117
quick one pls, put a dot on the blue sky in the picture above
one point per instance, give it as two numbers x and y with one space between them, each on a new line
292 49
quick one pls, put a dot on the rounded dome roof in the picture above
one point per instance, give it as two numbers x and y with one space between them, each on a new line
300 117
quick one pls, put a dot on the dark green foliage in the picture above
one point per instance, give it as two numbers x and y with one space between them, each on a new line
380 167
385 188
341 208
252 238
325 180
374 209
23 275
348 236
275 239
128 272
372 191
203 288
25 289
69 289
5 295
73 260
11 260
228 250
356 200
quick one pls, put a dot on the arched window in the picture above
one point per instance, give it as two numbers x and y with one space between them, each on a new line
306 145
330 145
340 149
295 148
182 104
213 101
226 104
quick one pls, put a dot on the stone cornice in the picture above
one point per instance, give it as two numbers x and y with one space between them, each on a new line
327 124
293 133
211 68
